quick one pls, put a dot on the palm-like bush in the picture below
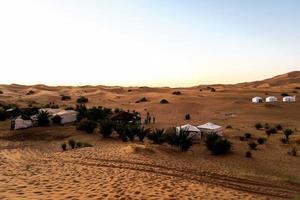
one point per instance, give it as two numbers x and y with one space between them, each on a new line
56 119
64 146
43 118
87 126
261 140
157 136
217 145
258 125
181 139
82 100
142 132
287 133
252 145
72 143
106 128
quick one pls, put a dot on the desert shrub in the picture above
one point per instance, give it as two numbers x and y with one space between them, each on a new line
258 125
43 118
212 89
72 143
187 116
1 92
78 144
82 100
164 101
157 136
284 140
87 126
120 129
85 144
51 105
267 126
65 97
228 127
56 119
130 131
297 142
106 128
2 114
142 132
293 152
252 145
176 93
297 88
217 145
242 138
130 90
261 140
279 127
210 140
97 113
284 94
81 111
248 154
271 131
64 146
70 108
141 100
247 135
30 92
181 139
287 133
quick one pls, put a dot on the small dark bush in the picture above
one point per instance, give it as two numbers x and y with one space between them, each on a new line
64 146
212 89
1 92
130 90
217 145
65 97
187 117
69 108
248 135
56 119
258 126
284 94
106 128
297 88
85 144
43 118
142 100
164 101
229 127
87 126
267 126
181 139
51 105
30 92
287 133
72 143
157 136
176 93
248 154
3 114
278 127
242 138
142 133
284 140
252 145
271 131
82 100
210 140
261 140
131 131
78 144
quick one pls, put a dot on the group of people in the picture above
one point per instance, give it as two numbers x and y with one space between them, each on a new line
149 119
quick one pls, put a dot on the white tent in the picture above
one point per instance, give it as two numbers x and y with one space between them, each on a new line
210 128
289 99
67 116
20 123
192 130
271 99
257 100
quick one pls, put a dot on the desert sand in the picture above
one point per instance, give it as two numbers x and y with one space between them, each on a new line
33 166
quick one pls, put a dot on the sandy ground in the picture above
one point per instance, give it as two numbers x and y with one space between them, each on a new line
34 167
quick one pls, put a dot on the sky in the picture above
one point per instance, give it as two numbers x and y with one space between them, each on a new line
147 42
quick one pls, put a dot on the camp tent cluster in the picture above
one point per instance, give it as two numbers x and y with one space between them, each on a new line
21 122
197 131
271 99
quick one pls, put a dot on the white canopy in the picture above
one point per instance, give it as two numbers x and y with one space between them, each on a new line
67 116
188 128
289 98
20 123
211 128
271 99
257 100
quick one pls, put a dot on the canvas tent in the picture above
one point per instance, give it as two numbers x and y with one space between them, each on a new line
257 100
271 99
20 123
194 132
67 116
210 128
289 99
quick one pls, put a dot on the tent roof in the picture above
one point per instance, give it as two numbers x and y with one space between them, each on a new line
189 128
210 126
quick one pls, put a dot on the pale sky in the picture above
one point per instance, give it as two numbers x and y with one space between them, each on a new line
147 42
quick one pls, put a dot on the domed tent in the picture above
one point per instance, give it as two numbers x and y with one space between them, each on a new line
210 128
271 99
257 100
289 99
192 130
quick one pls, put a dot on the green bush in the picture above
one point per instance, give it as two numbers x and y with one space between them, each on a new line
43 118
181 139
81 112
78 144
287 133
261 140
217 145
87 126
284 94
252 145
267 126
106 128
278 127
3 114
258 125
164 101
247 135
157 136
72 143
64 146
56 119
130 131
271 131
65 97
142 132
248 154
82 100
